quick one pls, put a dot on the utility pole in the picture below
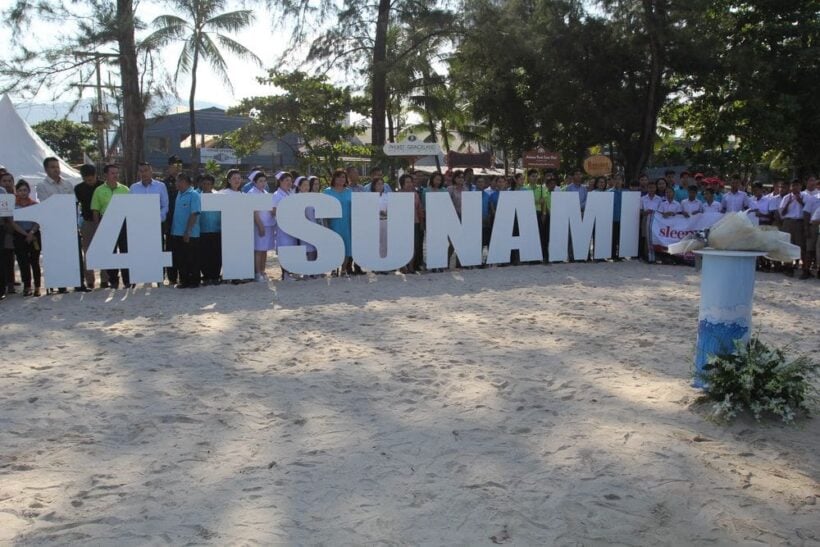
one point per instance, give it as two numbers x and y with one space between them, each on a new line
98 118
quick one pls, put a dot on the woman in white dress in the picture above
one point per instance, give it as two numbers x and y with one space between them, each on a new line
284 189
264 223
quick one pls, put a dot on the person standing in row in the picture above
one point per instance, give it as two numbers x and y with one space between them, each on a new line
406 184
283 239
669 207
233 182
811 200
791 211
759 205
210 237
185 232
170 181
304 185
53 183
692 205
5 225
147 185
264 224
736 199
83 192
27 242
7 239
617 191
649 204
100 201
710 205
341 225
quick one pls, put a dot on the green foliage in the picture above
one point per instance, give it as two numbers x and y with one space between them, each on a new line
213 168
763 89
243 143
759 379
67 138
570 77
310 107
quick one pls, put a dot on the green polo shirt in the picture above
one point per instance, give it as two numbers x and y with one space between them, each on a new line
541 194
103 194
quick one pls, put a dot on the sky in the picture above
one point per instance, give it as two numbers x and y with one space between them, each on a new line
261 38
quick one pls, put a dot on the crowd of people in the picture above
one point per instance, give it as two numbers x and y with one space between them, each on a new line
193 236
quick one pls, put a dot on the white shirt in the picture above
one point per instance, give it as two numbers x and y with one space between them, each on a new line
790 207
714 207
734 201
229 191
815 217
692 206
154 187
667 206
810 203
650 204
48 188
758 204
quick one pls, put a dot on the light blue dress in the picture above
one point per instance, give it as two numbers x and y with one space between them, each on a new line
341 225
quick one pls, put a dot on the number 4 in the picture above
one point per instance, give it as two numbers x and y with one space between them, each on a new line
145 257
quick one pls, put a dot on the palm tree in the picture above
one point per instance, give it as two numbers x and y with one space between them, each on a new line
202 30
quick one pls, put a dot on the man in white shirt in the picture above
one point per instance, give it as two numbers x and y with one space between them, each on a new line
669 207
811 202
735 199
791 211
759 205
709 204
691 205
649 204
53 183
149 185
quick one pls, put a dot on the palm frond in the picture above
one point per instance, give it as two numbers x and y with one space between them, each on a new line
213 56
231 21
237 49
161 37
185 59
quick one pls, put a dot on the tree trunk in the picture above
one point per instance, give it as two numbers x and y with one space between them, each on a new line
654 93
391 135
131 130
379 98
445 137
191 112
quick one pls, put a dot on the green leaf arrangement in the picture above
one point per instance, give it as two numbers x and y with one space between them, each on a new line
759 379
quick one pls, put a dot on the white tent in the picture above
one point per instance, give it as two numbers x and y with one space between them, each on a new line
22 152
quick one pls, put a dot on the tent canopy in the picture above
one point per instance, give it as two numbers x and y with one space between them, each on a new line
22 151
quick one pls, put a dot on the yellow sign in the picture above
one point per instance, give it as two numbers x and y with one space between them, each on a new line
597 166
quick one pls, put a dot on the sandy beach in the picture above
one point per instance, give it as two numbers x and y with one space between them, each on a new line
531 405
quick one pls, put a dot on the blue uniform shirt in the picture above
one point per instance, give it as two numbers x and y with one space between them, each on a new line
187 202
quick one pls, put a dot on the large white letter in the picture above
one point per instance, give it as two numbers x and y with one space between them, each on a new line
512 205
566 218
630 222
145 257
365 231
57 217
330 248
237 229
443 223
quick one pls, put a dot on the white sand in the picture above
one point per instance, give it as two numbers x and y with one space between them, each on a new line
523 405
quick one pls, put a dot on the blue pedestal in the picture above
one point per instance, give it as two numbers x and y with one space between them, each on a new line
726 290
